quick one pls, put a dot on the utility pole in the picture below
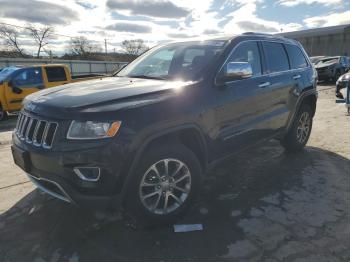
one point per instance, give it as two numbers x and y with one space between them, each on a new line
106 46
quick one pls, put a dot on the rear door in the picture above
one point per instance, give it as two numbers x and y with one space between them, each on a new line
281 83
242 104
299 67
24 82
55 76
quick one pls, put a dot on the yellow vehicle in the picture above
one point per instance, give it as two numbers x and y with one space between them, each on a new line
18 82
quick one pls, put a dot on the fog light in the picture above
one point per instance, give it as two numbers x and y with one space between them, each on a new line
91 174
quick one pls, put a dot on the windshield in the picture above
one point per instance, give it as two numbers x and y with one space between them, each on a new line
175 61
4 73
329 60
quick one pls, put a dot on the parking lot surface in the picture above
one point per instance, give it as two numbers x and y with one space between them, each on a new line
261 205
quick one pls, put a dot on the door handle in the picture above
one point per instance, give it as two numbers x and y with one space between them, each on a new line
295 77
265 84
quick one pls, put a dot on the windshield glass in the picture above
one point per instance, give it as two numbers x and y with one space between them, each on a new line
4 73
175 61
329 60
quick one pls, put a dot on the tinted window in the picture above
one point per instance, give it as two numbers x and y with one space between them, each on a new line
296 57
276 57
29 77
248 52
55 74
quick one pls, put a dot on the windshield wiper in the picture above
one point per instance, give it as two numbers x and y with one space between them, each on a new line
148 77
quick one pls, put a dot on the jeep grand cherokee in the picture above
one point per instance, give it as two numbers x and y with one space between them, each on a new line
143 138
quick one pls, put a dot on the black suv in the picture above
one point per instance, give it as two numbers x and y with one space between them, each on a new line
143 138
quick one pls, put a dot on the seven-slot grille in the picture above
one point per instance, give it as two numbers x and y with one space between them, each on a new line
35 131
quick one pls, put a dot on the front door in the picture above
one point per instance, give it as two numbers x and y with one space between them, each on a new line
24 82
243 104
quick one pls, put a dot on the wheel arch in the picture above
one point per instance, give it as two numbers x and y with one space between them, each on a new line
190 135
307 96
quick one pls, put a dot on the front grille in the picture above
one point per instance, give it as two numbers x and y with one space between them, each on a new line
35 131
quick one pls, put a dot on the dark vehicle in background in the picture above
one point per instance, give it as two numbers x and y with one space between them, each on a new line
144 138
331 68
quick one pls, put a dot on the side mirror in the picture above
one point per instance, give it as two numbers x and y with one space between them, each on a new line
235 71
238 70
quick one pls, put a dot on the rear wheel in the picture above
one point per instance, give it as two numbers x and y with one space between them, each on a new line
164 185
300 131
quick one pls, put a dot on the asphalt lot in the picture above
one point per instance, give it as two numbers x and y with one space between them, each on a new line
262 205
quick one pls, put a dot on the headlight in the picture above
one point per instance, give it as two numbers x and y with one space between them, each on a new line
92 129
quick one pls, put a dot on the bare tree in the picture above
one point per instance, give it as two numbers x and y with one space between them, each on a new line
83 47
41 36
10 37
134 47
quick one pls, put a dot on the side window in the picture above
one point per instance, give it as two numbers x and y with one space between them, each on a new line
28 77
296 57
55 74
276 56
248 52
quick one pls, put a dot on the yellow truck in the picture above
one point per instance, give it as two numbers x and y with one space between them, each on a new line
18 82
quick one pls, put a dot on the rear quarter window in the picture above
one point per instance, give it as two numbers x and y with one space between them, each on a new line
55 74
296 57
277 60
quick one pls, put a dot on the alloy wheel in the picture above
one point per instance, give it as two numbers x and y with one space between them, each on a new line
165 186
304 127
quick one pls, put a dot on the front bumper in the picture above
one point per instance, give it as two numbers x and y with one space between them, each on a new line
53 172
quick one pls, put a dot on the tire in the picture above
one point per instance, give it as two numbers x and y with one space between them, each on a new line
300 131
141 207
349 111
3 114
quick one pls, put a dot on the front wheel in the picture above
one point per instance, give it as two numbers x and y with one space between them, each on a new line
164 185
300 131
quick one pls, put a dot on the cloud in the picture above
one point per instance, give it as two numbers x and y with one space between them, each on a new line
86 5
37 12
158 8
309 2
130 27
328 20
179 35
211 32
256 27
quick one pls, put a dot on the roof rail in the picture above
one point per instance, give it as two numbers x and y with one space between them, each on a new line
255 33
264 34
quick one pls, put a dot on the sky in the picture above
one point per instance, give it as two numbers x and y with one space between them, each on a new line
158 21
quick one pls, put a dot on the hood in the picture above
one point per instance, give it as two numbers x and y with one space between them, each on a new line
325 65
111 93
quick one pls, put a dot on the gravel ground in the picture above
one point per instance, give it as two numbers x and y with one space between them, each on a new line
262 205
